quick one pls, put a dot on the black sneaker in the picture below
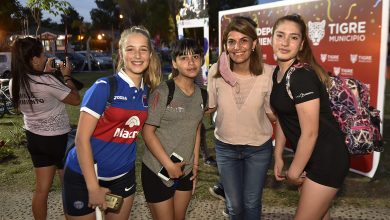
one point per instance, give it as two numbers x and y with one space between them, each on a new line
210 162
217 192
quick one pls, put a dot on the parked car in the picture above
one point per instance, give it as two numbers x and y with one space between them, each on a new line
5 65
104 59
95 64
77 60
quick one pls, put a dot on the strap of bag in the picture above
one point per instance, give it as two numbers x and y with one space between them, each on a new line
171 90
205 96
113 86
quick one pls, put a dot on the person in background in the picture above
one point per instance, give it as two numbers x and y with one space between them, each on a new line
174 128
41 98
321 159
207 158
243 129
107 134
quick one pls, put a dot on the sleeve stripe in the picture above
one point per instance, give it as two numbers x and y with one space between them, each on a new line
89 111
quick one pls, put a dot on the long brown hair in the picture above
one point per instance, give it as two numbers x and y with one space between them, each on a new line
245 26
152 75
23 50
305 55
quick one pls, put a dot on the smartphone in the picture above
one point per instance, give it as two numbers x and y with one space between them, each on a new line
64 62
53 64
163 173
114 202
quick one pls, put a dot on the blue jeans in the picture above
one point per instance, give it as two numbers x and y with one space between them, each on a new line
243 170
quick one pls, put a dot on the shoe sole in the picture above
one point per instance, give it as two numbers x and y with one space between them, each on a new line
216 195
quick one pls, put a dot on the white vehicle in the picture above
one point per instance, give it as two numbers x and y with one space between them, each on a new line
5 64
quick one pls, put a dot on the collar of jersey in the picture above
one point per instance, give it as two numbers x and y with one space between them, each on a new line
127 79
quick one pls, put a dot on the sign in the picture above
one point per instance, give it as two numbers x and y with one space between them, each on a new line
348 38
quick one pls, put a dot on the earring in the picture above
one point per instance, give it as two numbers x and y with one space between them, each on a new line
253 50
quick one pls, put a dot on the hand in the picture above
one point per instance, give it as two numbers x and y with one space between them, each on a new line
175 170
278 170
295 179
67 69
97 198
194 177
48 66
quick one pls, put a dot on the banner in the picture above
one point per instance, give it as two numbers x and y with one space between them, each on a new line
348 38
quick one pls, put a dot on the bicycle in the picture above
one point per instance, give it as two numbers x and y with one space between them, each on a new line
6 106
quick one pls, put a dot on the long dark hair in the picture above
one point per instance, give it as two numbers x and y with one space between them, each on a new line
184 46
305 55
247 26
23 50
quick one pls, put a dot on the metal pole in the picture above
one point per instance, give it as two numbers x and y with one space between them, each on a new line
88 52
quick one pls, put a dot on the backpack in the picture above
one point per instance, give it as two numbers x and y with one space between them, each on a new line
72 134
349 101
171 90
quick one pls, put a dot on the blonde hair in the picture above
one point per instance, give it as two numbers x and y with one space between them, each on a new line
152 75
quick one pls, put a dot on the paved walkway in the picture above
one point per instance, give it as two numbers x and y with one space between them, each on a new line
17 205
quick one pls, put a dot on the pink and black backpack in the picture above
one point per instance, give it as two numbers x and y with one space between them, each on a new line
350 105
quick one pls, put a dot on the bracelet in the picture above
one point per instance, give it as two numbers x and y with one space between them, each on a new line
67 76
66 80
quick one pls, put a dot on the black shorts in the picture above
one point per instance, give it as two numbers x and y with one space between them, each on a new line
47 150
156 191
75 193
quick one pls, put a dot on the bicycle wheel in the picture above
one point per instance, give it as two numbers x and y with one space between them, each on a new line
8 102
2 106
10 107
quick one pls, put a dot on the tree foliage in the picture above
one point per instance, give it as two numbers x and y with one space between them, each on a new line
72 21
216 6
53 7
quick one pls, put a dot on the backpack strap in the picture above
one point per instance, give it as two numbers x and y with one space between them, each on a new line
171 90
205 97
113 86
288 75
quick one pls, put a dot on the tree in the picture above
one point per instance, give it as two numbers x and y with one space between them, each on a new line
216 6
10 13
71 17
54 7
174 7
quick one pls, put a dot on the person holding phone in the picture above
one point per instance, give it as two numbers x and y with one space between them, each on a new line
321 159
41 98
107 134
174 128
243 129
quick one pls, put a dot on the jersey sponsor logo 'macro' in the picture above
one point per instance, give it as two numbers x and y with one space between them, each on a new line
131 122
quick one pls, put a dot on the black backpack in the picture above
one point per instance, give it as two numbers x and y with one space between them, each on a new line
171 90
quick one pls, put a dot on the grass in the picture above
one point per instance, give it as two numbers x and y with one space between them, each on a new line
357 191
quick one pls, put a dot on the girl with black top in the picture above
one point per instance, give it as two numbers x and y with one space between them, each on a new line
321 159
